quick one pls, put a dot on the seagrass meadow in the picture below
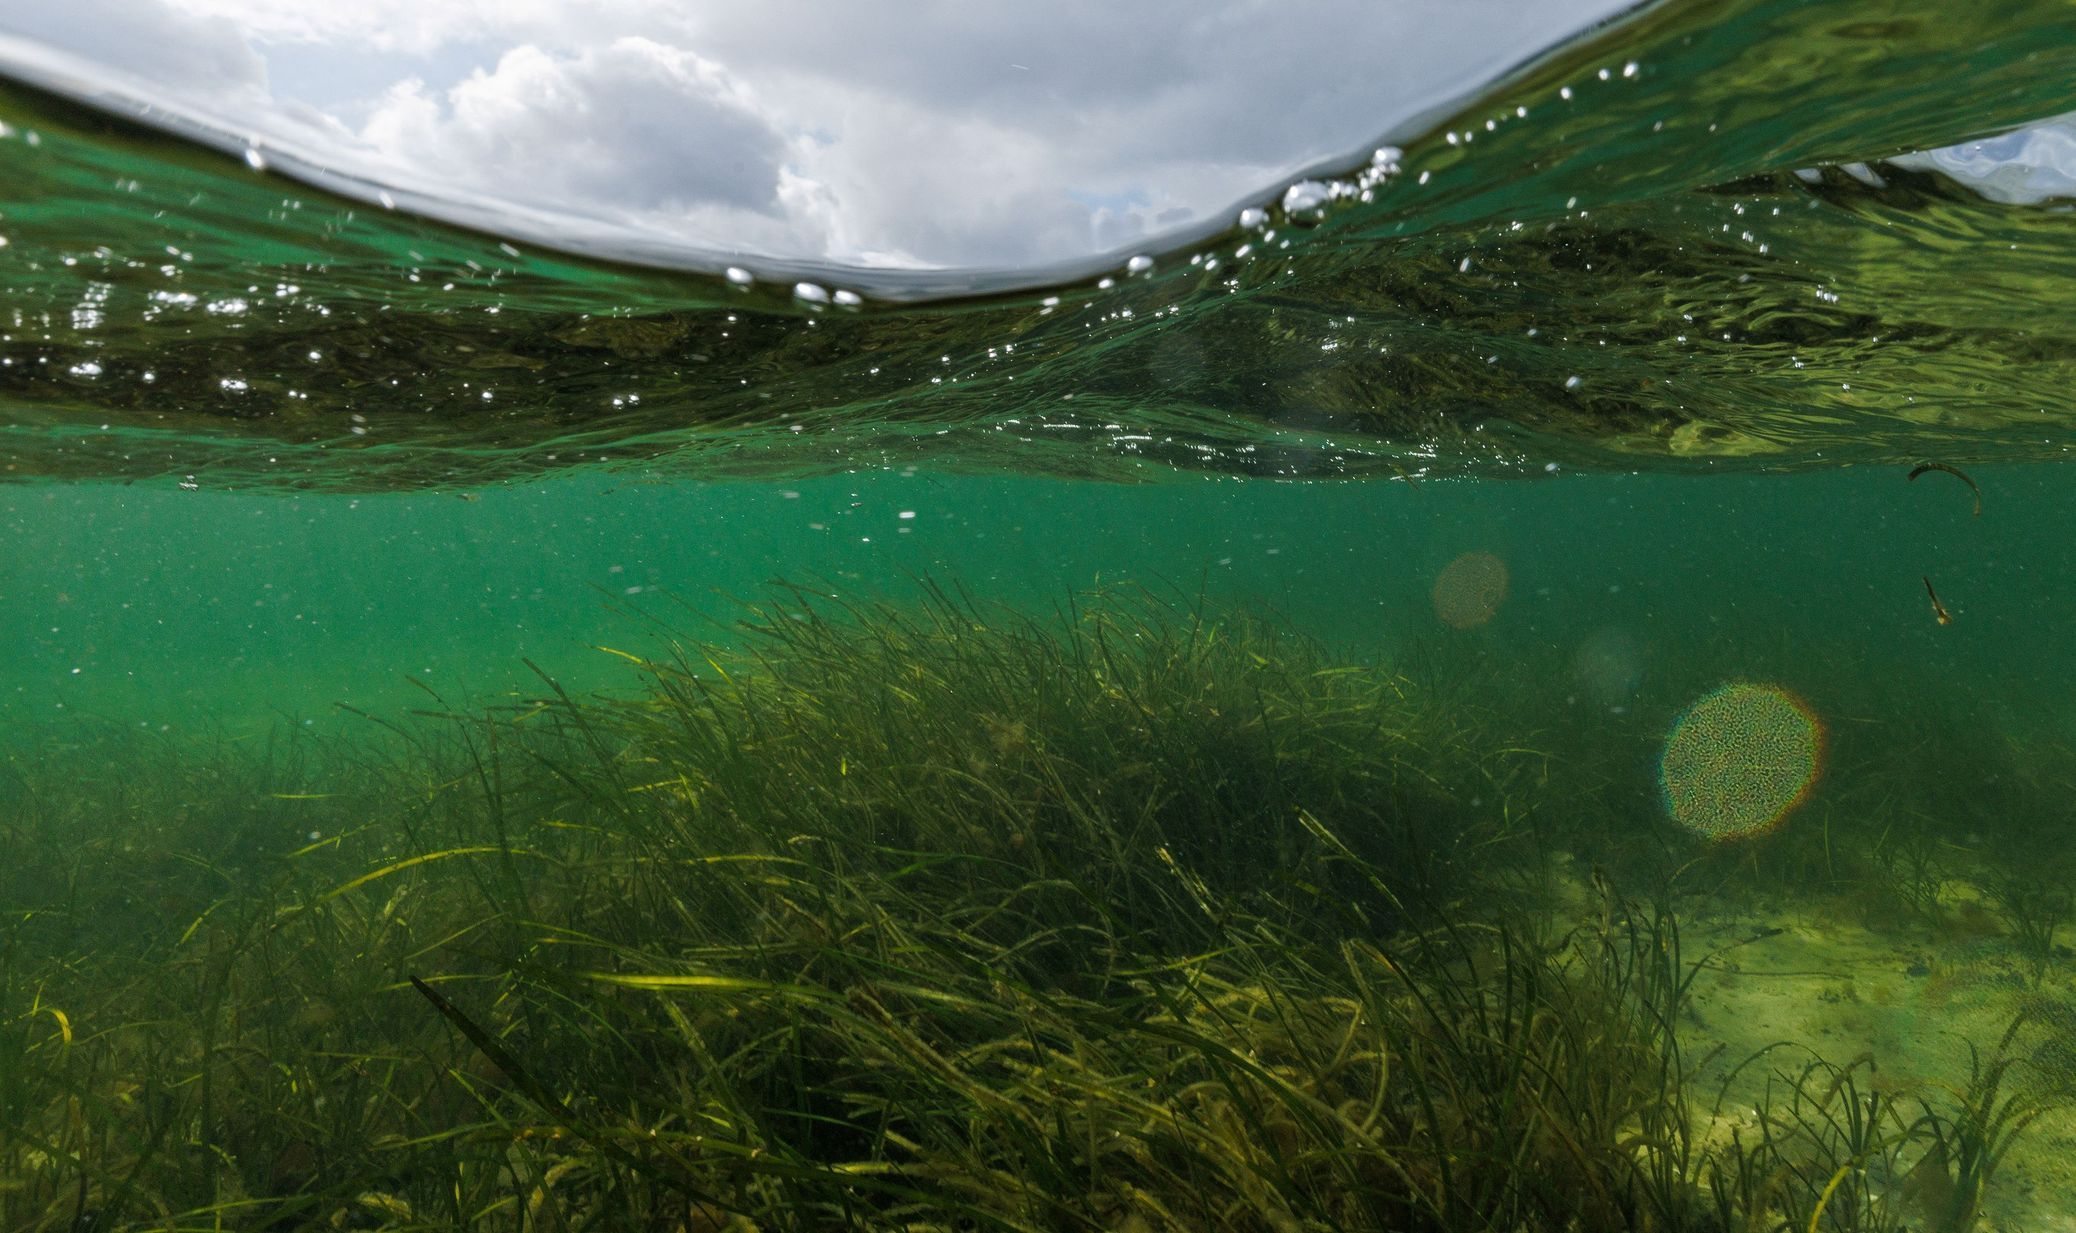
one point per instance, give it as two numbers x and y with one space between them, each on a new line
1525 685
1137 914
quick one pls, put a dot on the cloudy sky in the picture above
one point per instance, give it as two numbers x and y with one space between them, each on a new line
919 134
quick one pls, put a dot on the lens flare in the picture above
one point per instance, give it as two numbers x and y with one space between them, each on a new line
1470 589
1739 760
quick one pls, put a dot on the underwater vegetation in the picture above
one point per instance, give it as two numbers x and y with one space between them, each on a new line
1127 917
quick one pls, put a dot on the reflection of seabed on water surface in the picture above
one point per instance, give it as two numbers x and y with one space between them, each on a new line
1604 262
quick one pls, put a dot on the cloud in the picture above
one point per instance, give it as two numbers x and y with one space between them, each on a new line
635 126
417 28
197 54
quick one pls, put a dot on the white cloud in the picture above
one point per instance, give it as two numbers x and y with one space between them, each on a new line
421 27
633 127
196 53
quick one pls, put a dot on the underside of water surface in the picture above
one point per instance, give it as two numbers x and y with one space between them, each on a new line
1520 682
1637 251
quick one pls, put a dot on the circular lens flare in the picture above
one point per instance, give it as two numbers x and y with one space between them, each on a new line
1470 589
1740 760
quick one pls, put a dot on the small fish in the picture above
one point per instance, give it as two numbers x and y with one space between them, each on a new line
1957 473
1939 612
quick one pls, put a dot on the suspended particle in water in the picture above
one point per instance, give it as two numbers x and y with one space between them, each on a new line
1470 589
1740 760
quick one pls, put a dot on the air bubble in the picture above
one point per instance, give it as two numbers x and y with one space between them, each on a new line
1253 218
1141 264
812 293
738 276
1305 201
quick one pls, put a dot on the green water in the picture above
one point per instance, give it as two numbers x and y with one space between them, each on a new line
327 525
186 608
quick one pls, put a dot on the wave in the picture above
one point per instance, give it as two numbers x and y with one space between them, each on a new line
1673 244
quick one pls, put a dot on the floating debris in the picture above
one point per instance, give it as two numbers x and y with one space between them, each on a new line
1956 472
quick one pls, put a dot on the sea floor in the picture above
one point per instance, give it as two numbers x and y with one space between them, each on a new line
1783 980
